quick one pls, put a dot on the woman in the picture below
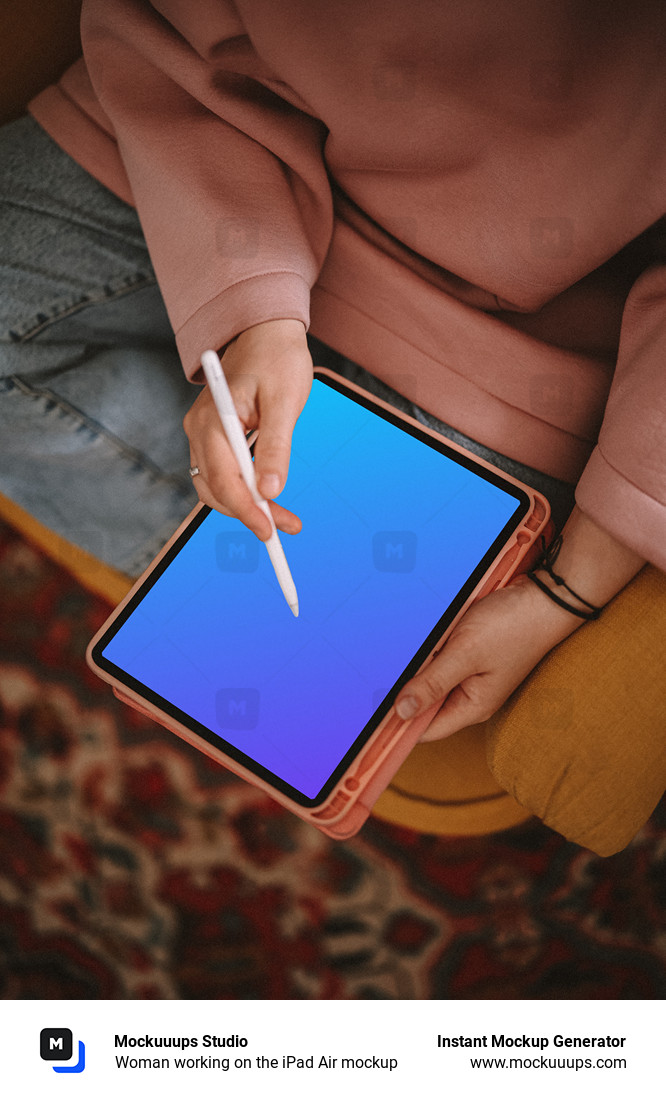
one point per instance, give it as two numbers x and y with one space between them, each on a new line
468 206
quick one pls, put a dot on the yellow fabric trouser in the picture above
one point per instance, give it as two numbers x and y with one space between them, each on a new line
581 745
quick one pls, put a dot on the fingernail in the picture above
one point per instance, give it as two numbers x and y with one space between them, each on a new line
269 485
407 707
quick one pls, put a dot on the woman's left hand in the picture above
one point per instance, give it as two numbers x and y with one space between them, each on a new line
500 639
492 649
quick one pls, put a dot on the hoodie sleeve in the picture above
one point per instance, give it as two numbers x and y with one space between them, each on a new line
623 486
224 163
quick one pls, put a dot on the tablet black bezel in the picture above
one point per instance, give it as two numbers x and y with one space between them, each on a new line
523 507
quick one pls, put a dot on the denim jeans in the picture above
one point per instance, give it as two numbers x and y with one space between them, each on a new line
92 394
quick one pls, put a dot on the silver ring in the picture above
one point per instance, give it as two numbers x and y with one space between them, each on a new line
194 470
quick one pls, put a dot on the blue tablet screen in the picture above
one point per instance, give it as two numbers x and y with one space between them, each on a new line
393 529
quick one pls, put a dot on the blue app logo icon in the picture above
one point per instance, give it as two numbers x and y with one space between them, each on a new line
237 708
56 1045
394 551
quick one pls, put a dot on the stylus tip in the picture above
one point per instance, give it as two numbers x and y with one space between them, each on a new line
294 608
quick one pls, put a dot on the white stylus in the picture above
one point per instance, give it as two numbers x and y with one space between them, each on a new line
233 430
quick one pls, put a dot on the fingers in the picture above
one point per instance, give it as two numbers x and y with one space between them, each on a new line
269 371
219 483
467 697
283 519
240 504
458 712
496 644
448 669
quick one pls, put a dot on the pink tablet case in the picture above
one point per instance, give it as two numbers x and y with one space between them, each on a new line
344 811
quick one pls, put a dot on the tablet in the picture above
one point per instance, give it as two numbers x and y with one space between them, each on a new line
400 530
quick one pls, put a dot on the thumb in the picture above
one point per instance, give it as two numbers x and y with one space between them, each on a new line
446 670
273 446
459 711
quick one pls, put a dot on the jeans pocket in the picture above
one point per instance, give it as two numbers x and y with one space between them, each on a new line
67 306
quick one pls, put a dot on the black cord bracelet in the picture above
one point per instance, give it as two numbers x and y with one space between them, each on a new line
546 563
587 615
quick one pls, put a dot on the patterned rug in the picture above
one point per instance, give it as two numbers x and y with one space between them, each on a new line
133 867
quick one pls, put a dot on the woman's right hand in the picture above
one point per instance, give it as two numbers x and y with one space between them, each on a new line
269 371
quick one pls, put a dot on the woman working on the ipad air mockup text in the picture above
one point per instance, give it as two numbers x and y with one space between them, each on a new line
467 204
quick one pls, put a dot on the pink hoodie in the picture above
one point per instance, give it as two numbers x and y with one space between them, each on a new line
464 198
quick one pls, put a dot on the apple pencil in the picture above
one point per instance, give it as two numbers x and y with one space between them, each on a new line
233 430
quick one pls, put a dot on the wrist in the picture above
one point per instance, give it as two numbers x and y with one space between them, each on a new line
552 622
593 563
582 569
283 329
